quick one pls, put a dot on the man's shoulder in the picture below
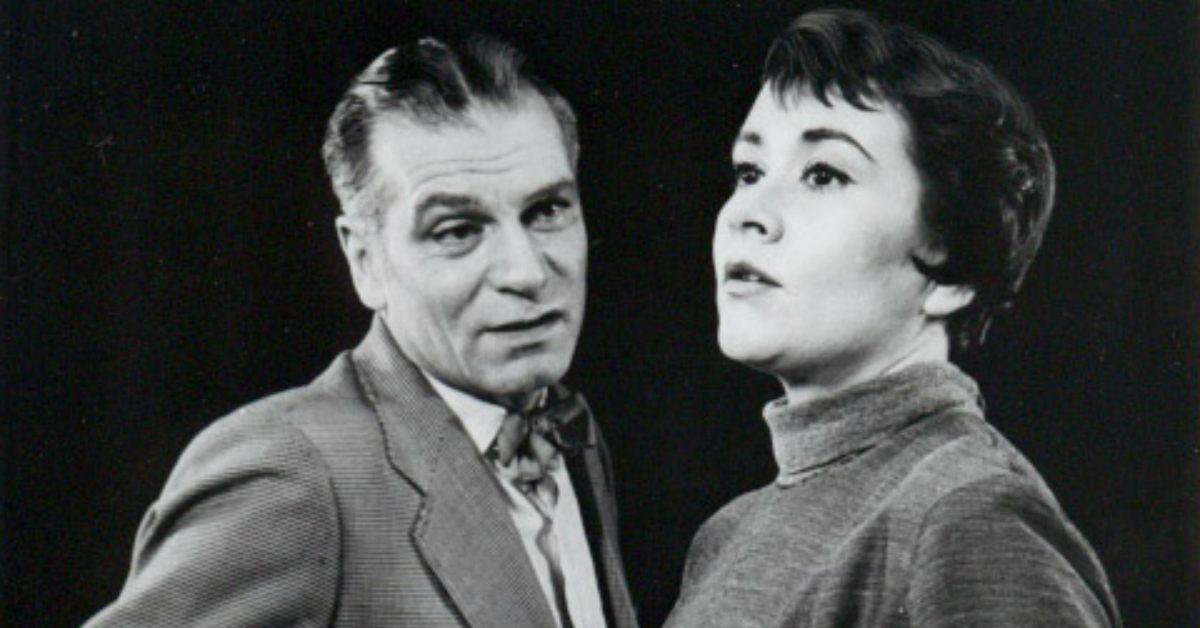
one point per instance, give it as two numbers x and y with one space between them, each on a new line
298 425
331 406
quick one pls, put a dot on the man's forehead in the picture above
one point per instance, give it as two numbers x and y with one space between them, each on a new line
489 140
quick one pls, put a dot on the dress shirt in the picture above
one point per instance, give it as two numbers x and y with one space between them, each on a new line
482 421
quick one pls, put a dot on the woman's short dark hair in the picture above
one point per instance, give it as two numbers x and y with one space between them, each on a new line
986 169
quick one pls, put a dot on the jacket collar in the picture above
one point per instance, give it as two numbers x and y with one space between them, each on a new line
481 419
812 434
463 530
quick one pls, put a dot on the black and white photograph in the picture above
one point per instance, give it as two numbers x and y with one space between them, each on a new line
581 314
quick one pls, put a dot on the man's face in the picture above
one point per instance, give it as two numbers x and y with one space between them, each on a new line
813 250
479 267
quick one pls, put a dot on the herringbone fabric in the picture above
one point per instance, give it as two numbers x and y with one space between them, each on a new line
354 501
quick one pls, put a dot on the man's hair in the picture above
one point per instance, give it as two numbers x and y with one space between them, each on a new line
986 171
432 85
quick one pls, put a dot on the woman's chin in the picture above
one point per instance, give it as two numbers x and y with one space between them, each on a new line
750 351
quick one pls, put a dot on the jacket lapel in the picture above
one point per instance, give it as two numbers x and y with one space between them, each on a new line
464 531
594 473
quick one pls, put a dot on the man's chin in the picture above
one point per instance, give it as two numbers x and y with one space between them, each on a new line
522 375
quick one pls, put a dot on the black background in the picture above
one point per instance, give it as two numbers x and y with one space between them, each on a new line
170 256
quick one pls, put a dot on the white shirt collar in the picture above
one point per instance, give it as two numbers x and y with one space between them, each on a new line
481 419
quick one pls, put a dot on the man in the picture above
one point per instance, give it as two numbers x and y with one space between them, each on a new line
437 475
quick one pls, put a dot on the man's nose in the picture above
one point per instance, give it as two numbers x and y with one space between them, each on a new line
751 216
520 266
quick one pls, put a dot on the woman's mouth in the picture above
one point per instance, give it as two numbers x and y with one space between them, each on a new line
742 272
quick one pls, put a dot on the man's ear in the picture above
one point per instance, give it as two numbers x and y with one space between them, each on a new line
944 300
362 250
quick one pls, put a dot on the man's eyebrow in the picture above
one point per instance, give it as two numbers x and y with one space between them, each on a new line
459 202
822 134
565 185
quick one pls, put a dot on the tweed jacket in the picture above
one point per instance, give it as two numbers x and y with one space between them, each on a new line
357 500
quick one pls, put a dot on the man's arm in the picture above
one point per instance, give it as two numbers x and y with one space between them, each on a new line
993 553
244 534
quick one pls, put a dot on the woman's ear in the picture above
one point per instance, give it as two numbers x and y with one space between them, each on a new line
944 300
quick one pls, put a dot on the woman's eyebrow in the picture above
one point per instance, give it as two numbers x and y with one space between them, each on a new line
822 133
748 137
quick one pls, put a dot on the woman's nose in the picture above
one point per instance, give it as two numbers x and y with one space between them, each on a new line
750 217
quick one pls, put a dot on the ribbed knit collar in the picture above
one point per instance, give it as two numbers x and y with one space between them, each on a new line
815 433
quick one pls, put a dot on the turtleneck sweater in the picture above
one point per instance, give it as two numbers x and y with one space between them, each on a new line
896 504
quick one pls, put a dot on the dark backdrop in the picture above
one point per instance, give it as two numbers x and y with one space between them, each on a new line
170 255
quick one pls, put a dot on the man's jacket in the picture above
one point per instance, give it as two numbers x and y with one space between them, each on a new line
357 500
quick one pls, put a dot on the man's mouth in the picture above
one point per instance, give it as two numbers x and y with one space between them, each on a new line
743 272
526 324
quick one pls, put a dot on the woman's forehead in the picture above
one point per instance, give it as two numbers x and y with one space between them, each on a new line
797 117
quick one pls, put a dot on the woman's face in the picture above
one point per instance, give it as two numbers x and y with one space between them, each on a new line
815 282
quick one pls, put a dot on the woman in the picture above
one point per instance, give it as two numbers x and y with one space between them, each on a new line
890 196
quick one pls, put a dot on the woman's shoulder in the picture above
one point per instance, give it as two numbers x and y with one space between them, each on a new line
732 514
725 522
961 454
976 481
988 520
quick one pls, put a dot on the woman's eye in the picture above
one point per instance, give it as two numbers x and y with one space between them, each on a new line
746 174
821 175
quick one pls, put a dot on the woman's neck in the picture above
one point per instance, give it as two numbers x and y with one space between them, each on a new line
930 345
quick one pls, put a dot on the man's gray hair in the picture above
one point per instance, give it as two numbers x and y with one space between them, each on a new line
432 85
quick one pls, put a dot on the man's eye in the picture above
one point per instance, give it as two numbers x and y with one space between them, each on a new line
821 176
746 174
551 213
455 233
